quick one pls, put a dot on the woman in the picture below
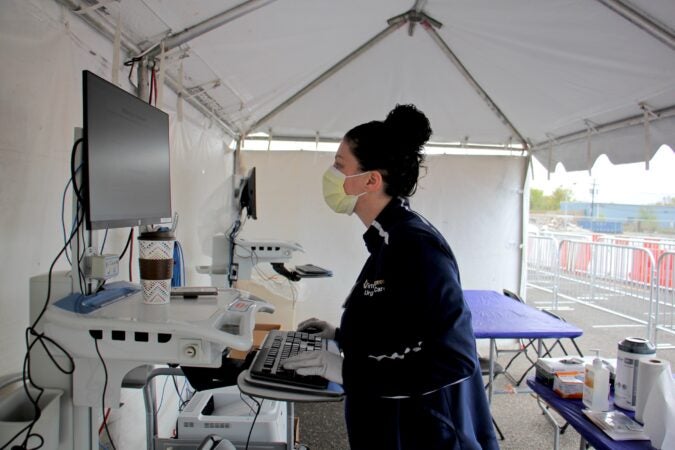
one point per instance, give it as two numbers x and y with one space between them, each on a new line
410 371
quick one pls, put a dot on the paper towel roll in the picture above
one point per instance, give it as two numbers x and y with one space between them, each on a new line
648 372
659 411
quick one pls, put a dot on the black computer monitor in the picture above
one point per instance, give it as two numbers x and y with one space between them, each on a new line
127 178
247 198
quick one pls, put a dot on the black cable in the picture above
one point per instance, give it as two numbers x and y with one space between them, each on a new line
161 399
73 172
80 201
105 386
131 63
131 252
180 396
100 286
41 338
153 88
80 256
105 237
233 235
63 221
248 439
126 246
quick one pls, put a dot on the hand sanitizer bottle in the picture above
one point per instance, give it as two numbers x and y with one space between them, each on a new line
596 385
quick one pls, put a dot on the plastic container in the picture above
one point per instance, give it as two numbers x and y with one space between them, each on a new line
596 385
631 351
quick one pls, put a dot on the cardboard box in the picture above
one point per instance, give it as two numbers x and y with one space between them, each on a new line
259 333
569 384
547 368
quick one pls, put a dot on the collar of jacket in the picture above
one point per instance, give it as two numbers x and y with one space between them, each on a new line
377 234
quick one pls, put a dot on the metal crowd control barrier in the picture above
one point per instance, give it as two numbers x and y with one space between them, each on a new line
543 265
633 278
613 278
664 309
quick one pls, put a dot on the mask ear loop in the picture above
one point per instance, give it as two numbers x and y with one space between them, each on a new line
352 176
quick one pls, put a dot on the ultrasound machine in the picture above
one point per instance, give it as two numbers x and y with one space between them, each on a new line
90 337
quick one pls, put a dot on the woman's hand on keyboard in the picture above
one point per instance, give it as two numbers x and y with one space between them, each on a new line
322 363
318 327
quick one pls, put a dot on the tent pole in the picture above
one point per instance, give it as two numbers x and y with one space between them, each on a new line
642 21
325 75
176 40
131 48
472 81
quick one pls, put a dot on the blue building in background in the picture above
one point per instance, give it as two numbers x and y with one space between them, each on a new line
613 218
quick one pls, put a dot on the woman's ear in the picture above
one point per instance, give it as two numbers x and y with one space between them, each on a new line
375 181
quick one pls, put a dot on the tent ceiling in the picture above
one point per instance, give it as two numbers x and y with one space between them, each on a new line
552 68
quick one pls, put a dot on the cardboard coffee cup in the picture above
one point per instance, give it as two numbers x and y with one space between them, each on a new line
156 266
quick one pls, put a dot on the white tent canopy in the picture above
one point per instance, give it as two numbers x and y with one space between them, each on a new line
569 79
308 68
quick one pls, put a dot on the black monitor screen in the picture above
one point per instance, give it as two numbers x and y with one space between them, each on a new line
247 200
126 148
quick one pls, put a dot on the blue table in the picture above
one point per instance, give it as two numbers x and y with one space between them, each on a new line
496 316
570 410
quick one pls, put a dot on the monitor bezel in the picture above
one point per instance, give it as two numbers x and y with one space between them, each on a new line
102 224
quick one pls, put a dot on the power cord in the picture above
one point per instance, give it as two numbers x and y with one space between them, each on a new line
236 227
63 206
248 439
43 340
105 386
39 337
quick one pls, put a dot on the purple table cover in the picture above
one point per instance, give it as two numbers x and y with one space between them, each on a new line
497 316
570 410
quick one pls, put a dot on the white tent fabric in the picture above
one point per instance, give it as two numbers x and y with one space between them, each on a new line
479 215
40 105
552 68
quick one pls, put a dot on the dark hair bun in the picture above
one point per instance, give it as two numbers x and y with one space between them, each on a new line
409 125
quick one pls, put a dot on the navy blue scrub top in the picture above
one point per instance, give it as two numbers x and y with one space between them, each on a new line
411 374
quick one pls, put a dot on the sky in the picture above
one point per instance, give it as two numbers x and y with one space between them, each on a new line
623 183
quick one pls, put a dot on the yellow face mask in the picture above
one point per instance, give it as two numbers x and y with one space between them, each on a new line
334 191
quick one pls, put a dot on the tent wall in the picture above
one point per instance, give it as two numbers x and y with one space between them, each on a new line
44 49
475 202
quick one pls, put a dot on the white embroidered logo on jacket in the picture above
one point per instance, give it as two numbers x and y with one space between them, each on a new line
396 355
372 288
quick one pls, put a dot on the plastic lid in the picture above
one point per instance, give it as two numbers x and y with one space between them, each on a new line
637 345
157 236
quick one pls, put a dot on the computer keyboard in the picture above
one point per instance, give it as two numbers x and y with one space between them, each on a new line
281 345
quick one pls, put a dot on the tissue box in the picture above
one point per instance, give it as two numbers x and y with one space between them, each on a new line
569 384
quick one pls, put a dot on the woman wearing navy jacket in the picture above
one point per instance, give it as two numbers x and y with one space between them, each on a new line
409 368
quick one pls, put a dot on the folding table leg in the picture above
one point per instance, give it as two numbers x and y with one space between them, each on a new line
491 375
552 421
